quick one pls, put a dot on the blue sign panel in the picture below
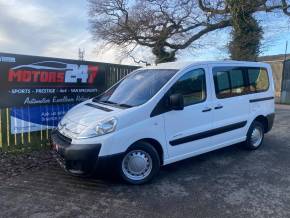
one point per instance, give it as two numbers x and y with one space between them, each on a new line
36 118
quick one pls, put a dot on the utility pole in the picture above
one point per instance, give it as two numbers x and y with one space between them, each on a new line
286 50
81 54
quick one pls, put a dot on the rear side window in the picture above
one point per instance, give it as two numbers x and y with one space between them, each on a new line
222 84
192 86
235 81
258 79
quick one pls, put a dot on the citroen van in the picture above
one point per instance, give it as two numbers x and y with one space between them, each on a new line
161 114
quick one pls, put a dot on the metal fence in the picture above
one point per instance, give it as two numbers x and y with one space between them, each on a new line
39 139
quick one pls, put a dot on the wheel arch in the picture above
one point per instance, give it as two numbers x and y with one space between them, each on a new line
156 144
264 120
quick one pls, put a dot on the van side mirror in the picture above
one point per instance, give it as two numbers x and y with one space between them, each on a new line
176 102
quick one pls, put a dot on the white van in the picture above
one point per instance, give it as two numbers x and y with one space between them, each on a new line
162 114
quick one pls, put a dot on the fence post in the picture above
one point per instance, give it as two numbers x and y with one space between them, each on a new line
8 127
15 135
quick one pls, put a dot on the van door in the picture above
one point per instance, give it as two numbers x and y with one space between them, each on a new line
185 129
230 104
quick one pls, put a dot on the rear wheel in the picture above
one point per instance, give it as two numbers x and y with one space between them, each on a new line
140 163
255 136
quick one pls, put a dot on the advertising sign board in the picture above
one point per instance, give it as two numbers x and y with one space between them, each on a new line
31 80
39 90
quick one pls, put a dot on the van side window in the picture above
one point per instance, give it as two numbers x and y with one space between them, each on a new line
229 82
235 81
222 84
258 79
192 86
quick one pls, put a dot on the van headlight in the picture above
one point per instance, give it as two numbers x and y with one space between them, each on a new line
106 126
103 127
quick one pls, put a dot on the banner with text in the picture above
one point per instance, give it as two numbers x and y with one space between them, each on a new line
31 80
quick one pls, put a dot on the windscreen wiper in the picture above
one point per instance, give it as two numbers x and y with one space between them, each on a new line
125 105
108 102
104 101
114 103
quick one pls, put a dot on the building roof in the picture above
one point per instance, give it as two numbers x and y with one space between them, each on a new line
270 58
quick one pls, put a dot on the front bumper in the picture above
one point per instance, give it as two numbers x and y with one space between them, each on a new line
81 159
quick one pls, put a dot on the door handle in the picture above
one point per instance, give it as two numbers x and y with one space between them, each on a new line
218 107
207 109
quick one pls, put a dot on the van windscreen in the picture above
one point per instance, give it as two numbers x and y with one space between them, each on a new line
136 88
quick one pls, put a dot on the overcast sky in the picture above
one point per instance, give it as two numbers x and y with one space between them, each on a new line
58 28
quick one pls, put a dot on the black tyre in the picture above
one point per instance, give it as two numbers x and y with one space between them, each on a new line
139 164
255 136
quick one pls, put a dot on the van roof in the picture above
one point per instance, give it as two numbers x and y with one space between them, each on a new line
181 65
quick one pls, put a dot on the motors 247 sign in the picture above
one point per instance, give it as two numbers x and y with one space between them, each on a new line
29 80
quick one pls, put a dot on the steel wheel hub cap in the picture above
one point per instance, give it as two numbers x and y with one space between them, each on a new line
137 164
257 136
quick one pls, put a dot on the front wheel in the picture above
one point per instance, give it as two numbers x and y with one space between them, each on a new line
255 136
139 164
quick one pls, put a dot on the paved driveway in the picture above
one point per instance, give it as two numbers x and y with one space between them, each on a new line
230 182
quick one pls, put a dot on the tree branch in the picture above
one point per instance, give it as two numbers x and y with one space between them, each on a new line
195 37
285 7
213 10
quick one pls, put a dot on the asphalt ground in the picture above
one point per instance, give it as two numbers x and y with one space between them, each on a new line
230 182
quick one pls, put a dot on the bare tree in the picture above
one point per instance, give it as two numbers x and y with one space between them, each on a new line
164 26
246 30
